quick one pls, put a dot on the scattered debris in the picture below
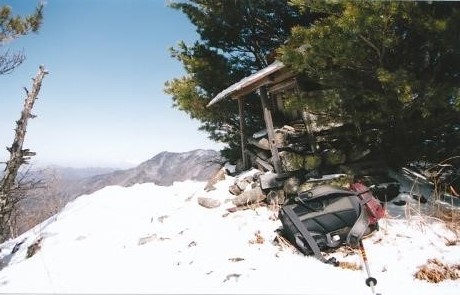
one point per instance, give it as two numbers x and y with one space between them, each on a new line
32 249
233 275
182 231
236 259
147 239
162 218
259 239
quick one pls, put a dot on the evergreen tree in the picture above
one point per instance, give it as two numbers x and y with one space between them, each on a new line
12 27
394 66
237 38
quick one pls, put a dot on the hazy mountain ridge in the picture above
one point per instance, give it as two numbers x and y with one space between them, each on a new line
63 184
163 169
70 173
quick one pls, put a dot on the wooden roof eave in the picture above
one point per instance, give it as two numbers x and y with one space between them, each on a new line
250 83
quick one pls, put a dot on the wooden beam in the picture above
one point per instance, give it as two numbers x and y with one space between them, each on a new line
273 79
250 88
282 86
270 129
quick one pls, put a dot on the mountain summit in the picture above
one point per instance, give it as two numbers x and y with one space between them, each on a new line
163 169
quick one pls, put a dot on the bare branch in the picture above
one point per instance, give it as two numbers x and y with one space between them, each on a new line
8 62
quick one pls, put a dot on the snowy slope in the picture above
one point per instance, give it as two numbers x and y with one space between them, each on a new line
155 239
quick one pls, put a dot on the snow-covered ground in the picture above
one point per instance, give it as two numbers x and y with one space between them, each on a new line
154 239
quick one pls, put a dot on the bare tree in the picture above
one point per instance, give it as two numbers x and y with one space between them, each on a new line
10 190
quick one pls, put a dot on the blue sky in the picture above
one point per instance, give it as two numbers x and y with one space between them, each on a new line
102 103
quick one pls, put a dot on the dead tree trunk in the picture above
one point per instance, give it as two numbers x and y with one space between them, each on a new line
18 157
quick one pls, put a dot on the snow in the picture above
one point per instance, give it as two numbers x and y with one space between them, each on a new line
155 239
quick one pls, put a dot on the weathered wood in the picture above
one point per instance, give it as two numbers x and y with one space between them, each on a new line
270 129
260 161
264 164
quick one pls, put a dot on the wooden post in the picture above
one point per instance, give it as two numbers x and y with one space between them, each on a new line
270 129
244 157
311 137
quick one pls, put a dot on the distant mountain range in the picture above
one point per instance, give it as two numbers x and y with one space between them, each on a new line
163 169
63 184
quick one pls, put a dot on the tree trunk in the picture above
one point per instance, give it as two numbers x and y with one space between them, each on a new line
18 156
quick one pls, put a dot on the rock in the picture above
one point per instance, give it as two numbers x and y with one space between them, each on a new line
208 202
242 184
250 196
234 190
291 161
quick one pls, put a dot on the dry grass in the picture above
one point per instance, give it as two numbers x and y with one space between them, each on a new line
350 265
451 217
435 271
435 211
283 244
